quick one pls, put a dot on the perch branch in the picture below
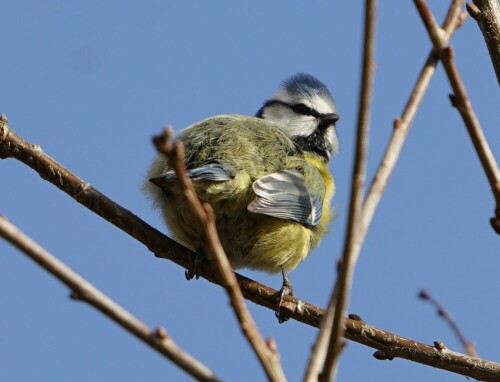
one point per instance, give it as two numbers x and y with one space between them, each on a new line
267 355
469 347
82 290
12 146
462 103
487 15
353 240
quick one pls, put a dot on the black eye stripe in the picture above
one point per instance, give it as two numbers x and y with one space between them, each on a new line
298 108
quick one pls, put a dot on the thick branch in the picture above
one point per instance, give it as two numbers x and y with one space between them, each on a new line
84 291
407 348
487 15
12 146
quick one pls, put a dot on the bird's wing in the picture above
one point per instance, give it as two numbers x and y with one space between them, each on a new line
215 172
284 195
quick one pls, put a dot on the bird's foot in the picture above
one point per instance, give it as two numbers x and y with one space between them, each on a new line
286 290
195 272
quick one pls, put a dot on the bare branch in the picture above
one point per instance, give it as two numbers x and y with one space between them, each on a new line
469 347
354 239
436 356
402 124
84 291
12 146
383 173
405 348
487 15
268 356
461 101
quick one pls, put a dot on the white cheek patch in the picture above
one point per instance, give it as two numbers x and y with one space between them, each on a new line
291 123
302 126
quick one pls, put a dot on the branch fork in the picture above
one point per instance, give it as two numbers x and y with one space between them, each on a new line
461 102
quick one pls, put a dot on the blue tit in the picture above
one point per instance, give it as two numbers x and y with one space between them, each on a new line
266 178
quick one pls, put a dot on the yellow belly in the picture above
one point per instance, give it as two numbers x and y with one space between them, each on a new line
250 240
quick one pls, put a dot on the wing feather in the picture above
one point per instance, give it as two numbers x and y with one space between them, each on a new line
215 172
284 195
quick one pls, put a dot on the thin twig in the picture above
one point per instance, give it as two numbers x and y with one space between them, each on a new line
82 290
353 240
12 146
452 21
487 15
267 355
461 102
469 347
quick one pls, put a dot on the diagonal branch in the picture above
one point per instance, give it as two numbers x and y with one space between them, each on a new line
84 291
461 101
453 20
12 146
267 355
487 15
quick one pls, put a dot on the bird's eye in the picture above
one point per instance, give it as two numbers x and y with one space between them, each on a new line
300 108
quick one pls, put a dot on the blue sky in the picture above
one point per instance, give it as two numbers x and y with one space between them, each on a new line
92 81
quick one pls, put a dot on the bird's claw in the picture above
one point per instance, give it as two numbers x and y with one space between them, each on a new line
286 290
195 272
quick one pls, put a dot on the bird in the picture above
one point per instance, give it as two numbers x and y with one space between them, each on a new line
266 177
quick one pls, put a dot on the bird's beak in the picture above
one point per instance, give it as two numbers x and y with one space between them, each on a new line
328 120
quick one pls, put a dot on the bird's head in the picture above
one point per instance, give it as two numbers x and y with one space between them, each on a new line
304 108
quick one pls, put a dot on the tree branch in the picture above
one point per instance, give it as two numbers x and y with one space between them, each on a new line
487 15
402 124
406 348
354 239
267 355
452 21
84 291
461 102
320 347
12 146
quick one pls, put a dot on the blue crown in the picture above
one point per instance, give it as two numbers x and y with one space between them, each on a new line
304 84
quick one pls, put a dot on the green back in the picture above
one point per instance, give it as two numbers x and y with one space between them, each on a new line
248 143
